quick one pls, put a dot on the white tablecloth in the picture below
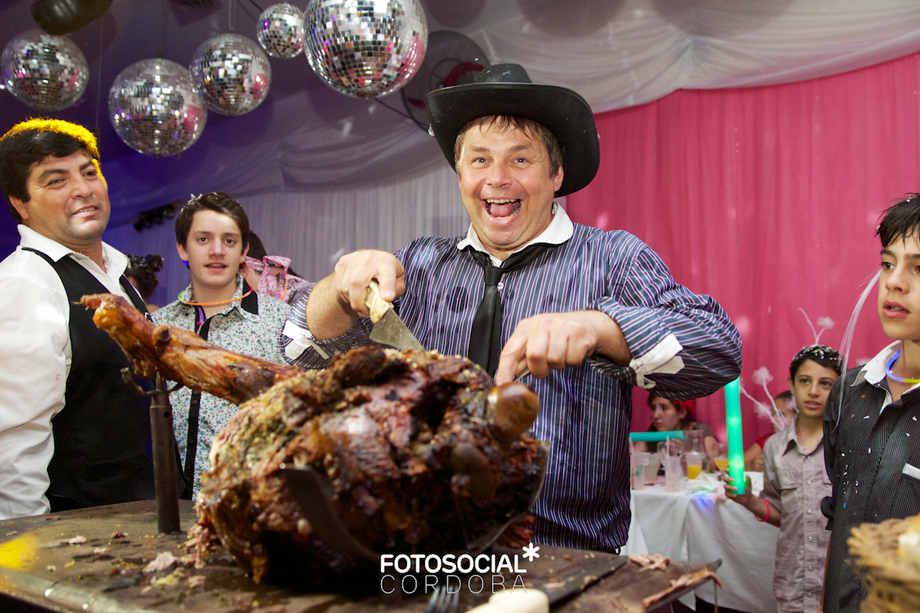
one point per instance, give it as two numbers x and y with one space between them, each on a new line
702 527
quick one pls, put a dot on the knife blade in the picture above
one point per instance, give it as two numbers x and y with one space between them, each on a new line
315 496
390 329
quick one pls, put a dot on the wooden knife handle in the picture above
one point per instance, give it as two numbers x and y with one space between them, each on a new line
377 305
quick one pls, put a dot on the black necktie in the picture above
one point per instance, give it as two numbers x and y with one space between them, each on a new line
486 335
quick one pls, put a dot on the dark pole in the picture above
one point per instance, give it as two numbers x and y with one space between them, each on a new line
164 459
165 482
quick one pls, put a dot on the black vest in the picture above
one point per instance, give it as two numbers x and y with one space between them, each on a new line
100 434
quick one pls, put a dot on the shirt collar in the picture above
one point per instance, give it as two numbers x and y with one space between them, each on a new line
560 230
115 261
789 437
874 370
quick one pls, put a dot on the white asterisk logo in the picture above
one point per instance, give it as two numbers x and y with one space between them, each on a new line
530 552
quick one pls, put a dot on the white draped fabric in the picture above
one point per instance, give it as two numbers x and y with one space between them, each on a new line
306 136
315 228
321 173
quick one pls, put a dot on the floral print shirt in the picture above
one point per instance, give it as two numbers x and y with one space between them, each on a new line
249 325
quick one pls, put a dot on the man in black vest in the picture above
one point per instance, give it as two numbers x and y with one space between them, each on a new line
71 435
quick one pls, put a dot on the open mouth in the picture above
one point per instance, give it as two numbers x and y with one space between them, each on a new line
893 309
502 208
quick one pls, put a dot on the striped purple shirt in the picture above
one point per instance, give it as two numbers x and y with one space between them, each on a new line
585 410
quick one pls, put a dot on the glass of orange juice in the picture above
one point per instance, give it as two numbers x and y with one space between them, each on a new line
694 464
722 457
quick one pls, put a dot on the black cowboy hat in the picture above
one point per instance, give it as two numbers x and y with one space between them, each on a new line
505 89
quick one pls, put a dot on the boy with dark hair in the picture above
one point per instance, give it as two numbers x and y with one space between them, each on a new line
871 433
71 435
795 482
212 236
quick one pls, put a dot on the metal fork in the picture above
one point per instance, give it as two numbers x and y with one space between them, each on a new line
443 601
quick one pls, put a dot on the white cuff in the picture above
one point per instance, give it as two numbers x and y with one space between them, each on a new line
301 338
662 358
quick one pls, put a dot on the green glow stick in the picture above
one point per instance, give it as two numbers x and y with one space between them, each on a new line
735 443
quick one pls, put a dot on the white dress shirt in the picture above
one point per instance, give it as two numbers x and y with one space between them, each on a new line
34 363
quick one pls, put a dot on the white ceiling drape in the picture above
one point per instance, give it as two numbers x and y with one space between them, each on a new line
308 137
321 173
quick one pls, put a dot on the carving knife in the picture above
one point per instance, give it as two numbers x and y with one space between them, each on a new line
389 329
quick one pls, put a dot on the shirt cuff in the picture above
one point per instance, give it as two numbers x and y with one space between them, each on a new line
662 359
301 339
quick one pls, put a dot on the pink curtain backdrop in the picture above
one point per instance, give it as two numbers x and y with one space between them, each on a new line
768 200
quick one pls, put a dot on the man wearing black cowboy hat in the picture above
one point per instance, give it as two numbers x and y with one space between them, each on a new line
588 313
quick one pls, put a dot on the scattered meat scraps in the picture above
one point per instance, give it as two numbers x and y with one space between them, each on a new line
161 562
649 562
686 580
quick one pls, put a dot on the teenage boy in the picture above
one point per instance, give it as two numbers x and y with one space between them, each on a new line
212 237
871 439
795 482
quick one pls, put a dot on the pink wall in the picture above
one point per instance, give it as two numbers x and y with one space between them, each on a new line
768 200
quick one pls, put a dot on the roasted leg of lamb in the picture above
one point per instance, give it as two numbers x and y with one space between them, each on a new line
425 456
183 356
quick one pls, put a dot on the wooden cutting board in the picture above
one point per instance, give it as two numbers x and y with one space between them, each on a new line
93 560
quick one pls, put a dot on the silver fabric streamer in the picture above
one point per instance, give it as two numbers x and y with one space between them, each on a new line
231 73
155 109
46 72
365 48
280 30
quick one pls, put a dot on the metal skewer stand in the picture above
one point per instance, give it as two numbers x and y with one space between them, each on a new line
164 454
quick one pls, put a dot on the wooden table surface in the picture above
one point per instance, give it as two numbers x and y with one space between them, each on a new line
72 562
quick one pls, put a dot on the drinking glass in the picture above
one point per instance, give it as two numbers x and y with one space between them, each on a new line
651 469
693 441
670 457
694 464
638 461
722 457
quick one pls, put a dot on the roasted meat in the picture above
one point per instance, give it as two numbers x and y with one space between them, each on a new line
183 356
424 456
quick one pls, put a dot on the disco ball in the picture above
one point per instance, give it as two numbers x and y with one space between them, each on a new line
280 30
155 108
231 73
365 49
49 73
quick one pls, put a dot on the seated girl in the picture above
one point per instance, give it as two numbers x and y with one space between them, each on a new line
678 415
